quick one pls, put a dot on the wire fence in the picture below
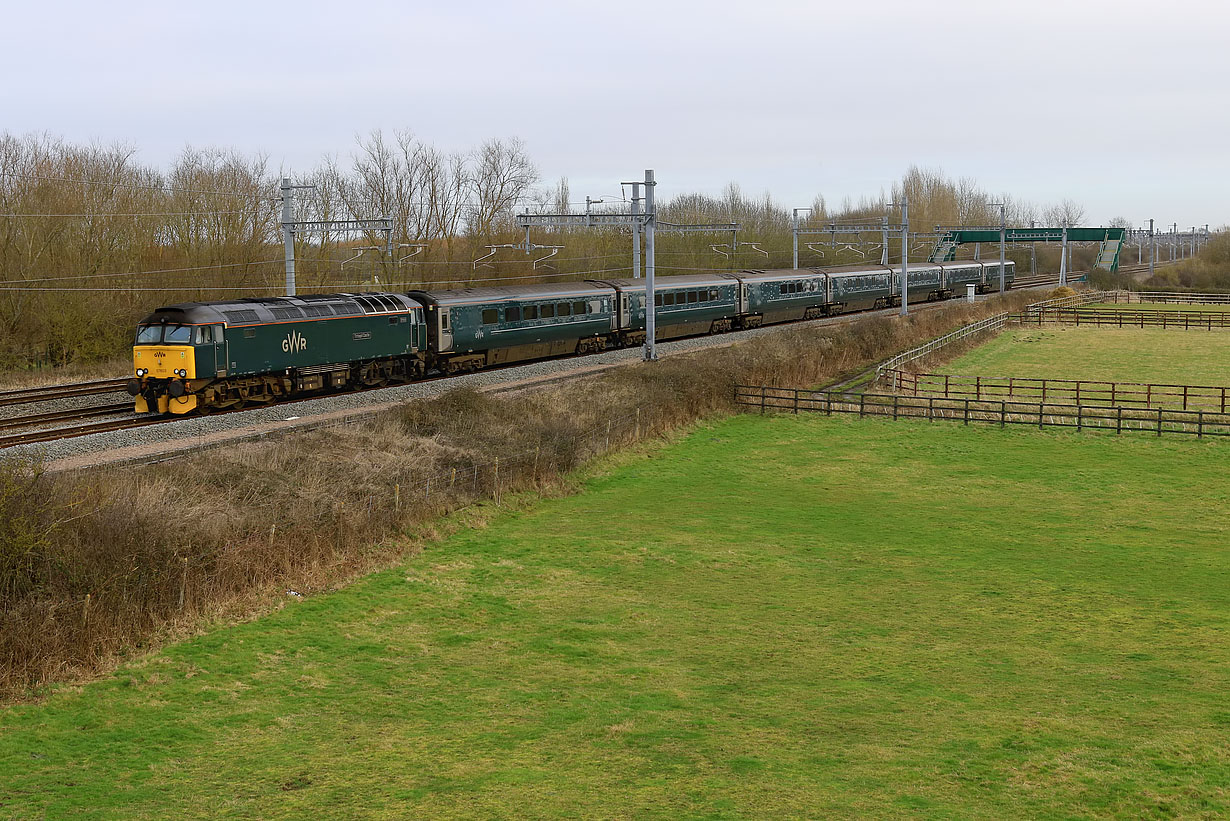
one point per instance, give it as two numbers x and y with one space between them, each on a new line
992 323
1118 419
1184 320
1077 391
1131 297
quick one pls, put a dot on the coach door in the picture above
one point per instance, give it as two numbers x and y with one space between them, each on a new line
625 315
445 332
210 351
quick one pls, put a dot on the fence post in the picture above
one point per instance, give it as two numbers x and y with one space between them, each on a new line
1200 424
895 407
1185 397
862 400
978 387
946 378
1119 419
966 411
1078 392
930 408
762 390
1039 416
1003 413
1159 421
1079 419
796 401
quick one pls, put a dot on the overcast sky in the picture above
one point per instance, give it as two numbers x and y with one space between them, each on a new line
1120 105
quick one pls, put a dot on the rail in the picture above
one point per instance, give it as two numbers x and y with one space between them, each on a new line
1003 412
1077 391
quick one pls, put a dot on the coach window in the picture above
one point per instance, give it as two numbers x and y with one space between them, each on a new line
546 311
693 296
657 300
490 316
668 299
563 309
578 309
531 311
204 335
512 313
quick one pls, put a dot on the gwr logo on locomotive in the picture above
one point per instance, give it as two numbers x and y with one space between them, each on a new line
294 342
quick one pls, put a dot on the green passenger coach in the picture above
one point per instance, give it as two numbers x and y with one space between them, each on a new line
472 328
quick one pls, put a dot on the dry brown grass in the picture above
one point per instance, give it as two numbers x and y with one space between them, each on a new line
112 561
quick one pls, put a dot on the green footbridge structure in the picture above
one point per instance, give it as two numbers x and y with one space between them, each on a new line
1111 240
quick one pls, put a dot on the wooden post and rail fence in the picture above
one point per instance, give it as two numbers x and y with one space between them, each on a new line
1003 412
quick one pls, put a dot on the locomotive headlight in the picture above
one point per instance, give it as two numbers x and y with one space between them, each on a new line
141 371
180 372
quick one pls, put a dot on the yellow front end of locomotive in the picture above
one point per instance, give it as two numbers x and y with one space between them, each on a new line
169 367
164 361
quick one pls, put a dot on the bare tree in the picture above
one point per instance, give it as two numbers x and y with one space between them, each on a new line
502 174
1065 214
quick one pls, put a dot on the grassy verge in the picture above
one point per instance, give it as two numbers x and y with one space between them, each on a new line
1111 354
110 562
779 617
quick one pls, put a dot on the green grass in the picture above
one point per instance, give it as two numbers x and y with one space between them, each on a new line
792 616
1185 307
1111 354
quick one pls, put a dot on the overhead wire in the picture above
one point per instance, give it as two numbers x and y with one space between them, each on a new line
349 285
142 273
163 214
136 186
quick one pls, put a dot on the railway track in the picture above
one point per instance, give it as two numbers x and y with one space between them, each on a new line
24 396
37 419
111 385
52 434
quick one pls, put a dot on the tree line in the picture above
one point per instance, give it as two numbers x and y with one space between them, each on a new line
91 238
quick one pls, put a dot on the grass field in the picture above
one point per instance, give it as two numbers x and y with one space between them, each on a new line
771 617
1111 354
